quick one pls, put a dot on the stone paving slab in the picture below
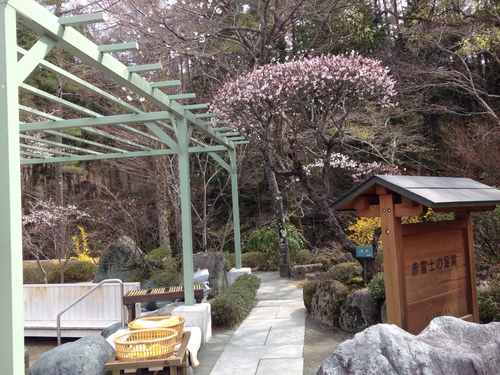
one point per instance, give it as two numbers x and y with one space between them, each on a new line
293 322
245 360
288 366
271 339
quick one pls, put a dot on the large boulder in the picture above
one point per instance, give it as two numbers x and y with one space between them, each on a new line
306 271
87 355
119 261
359 312
215 263
323 300
447 346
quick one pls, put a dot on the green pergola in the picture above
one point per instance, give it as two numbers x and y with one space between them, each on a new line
82 134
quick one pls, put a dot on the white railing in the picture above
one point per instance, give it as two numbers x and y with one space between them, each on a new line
96 307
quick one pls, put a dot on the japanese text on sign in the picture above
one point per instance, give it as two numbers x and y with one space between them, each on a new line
427 266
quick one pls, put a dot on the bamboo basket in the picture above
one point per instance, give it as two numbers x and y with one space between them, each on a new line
145 344
159 322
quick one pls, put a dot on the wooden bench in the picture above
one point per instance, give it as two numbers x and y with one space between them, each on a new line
169 293
99 310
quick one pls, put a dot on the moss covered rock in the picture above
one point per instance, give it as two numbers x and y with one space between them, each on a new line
323 300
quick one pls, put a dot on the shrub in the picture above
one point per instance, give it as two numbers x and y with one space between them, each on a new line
377 287
361 231
489 301
265 239
254 260
79 271
343 272
304 257
231 307
32 274
159 266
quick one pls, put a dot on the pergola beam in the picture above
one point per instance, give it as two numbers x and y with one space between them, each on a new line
31 59
83 19
94 121
76 44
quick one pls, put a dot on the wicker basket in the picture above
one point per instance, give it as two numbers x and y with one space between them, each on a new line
144 344
159 322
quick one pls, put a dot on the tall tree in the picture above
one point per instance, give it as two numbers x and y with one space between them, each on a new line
297 112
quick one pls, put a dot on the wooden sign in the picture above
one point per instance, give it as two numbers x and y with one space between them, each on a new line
436 272
428 267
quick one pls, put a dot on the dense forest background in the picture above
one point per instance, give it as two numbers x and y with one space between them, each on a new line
444 57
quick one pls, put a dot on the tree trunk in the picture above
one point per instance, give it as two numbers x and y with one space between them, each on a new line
284 253
324 206
175 199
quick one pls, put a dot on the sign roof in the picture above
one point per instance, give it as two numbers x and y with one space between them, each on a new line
432 192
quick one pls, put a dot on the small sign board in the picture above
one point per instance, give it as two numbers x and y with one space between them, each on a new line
364 251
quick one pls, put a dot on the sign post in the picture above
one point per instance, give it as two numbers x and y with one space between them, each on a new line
363 253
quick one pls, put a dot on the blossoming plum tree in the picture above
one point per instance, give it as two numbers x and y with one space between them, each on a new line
296 113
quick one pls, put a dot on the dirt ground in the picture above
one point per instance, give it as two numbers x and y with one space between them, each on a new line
320 342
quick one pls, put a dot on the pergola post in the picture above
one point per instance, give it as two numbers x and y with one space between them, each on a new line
183 137
11 271
236 208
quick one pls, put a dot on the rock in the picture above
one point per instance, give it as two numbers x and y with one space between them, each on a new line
118 261
214 262
26 360
344 272
323 300
87 355
166 310
447 346
106 332
301 272
313 276
359 312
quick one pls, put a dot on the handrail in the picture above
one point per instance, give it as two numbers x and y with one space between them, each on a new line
106 281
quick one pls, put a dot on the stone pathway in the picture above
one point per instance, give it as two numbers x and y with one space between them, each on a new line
271 339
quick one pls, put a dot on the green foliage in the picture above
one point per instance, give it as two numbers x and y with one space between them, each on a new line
304 257
344 272
159 254
377 287
489 301
233 306
265 239
32 274
161 267
75 271
258 261
79 271
255 260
